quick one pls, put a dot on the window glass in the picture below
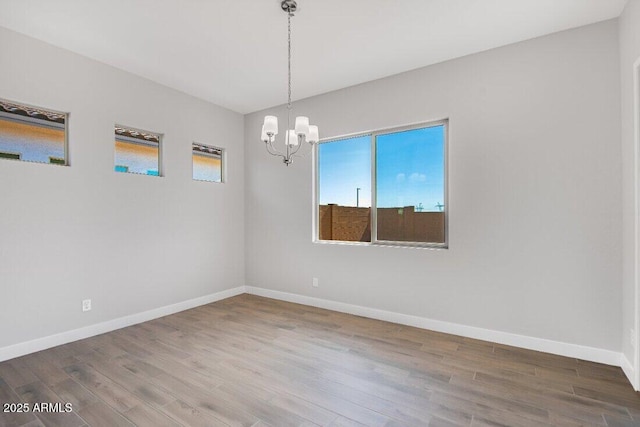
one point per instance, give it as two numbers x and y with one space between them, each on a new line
410 185
137 151
32 134
344 189
408 182
207 163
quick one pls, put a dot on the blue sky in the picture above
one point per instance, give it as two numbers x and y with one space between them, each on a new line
410 169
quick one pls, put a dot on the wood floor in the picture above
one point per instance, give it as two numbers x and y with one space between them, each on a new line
251 361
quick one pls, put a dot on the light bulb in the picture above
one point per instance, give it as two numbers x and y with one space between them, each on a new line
292 138
302 125
314 136
271 125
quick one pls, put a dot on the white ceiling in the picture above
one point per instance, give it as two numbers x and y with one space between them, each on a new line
233 53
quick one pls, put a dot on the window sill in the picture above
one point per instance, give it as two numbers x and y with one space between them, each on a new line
405 245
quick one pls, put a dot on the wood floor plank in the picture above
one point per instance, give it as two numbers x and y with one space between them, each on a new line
46 371
72 392
256 362
145 416
11 416
16 373
345 422
312 391
494 409
206 400
148 393
190 416
587 410
256 401
60 356
111 393
100 414
440 422
303 409
37 394
617 422
605 395
34 423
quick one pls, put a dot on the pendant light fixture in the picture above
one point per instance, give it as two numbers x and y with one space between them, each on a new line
302 131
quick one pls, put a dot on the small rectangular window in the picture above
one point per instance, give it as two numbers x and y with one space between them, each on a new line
207 163
386 187
137 151
32 134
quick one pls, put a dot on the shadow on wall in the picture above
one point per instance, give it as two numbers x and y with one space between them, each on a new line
401 224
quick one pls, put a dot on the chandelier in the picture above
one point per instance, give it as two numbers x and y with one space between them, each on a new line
302 131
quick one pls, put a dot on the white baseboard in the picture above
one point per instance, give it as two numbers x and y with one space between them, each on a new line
627 368
39 344
539 344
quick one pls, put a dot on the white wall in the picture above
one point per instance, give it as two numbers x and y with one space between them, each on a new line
629 53
130 243
535 194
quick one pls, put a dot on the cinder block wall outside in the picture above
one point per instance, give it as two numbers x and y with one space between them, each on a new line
394 224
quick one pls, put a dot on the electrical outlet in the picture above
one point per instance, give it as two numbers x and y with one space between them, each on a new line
632 338
86 305
315 282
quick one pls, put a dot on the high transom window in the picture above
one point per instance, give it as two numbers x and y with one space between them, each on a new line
32 134
137 151
207 163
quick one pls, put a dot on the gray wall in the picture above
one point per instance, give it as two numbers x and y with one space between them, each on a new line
130 243
629 53
535 194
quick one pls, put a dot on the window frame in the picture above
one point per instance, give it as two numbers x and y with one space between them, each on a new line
66 115
374 209
160 150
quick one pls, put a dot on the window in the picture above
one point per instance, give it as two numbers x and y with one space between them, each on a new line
207 163
32 134
386 187
344 183
137 151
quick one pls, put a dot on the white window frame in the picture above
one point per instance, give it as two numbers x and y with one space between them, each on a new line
374 217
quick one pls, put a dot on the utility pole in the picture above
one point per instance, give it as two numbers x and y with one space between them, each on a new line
358 197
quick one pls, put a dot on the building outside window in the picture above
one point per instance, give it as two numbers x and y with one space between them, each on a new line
207 163
32 134
137 151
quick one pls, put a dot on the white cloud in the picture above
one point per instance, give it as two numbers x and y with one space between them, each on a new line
400 177
417 177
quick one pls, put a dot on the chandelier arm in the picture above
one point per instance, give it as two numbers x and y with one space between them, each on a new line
287 147
272 150
284 158
302 155
269 145
296 149
287 159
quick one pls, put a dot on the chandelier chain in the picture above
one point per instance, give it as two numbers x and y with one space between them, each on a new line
289 58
